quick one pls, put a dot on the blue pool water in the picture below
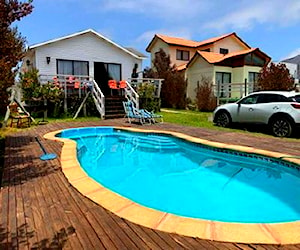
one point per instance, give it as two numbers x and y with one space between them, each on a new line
192 180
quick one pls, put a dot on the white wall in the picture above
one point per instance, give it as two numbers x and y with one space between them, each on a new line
159 44
86 47
293 69
198 68
230 43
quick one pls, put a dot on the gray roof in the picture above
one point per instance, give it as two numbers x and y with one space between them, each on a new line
136 55
134 51
295 60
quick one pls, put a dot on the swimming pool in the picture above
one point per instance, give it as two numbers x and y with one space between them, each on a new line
188 179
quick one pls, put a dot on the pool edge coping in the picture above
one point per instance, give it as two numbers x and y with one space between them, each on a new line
261 233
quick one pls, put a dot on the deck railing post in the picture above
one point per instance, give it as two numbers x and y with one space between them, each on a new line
66 95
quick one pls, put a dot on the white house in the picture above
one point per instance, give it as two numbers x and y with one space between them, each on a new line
293 65
86 53
227 61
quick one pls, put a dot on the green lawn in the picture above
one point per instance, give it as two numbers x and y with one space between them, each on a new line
188 118
204 120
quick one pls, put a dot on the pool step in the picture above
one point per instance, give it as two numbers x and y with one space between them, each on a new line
150 142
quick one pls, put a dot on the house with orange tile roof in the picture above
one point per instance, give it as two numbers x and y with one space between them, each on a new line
225 59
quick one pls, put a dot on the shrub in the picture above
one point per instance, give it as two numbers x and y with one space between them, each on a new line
173 91
36 93
147 99
275 77
205 99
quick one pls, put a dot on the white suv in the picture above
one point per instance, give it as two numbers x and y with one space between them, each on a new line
278 109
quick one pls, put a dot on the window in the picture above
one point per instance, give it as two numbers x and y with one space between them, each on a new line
183 55
69 67
252 59
224 51
267 98
113 70
223 79
249 100
253 77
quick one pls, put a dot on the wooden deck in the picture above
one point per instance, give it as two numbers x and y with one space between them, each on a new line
39 209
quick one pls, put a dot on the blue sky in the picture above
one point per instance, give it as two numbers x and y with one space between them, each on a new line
271 25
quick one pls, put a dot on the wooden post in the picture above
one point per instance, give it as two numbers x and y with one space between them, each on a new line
81 105
218 93
66 95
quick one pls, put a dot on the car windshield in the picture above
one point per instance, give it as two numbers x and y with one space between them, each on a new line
295 98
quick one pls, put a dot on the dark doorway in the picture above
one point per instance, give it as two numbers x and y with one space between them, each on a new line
101 77
104 72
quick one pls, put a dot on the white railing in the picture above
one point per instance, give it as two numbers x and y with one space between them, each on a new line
83 84
68 83
131 95
227 92
99 99
135 82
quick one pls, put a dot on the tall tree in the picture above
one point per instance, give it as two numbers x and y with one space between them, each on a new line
173 91
12 45
275 77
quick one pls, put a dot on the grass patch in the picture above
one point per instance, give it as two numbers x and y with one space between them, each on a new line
188 118
204 120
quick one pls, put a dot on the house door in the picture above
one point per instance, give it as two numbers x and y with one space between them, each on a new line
101 77
104 72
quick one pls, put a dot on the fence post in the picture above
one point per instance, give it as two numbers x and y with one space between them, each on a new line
218 93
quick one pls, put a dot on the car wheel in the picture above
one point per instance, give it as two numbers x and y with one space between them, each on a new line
222 119
281 127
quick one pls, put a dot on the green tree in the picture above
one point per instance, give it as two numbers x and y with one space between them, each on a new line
275 77
12 45
173 91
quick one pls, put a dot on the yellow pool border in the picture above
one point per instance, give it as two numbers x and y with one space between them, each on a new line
266 233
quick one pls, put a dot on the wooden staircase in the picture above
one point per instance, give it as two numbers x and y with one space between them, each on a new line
114 107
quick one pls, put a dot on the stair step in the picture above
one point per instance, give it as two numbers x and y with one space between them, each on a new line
113 116
114 107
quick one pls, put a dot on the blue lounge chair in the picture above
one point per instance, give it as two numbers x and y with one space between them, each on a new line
152 116
133 114
146 116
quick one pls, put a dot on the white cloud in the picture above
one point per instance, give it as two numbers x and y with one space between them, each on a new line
248 13
167 10
295 52
179 32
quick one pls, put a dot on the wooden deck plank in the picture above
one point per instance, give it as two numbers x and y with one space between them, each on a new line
77 220
107 237
4 231
22 233
131 234
162 238
192 243
63 211
49 188
44 202
149 242
4 218
12 218
117 235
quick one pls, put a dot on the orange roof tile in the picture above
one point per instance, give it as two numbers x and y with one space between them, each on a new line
181 67
216 57
177 41
189 43
214 39
210 56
